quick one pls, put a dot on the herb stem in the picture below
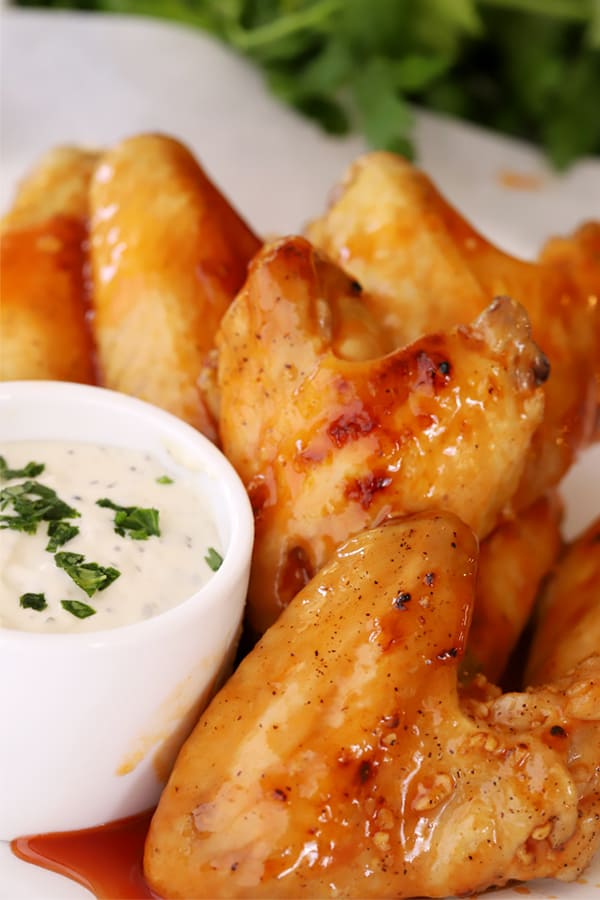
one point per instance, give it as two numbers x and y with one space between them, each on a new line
284 26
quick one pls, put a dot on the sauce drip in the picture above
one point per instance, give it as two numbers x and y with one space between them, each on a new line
106 860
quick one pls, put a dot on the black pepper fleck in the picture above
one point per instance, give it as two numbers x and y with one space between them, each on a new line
401 599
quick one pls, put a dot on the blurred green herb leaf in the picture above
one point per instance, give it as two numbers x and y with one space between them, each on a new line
526 67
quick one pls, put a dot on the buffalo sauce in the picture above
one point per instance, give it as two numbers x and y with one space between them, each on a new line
106 860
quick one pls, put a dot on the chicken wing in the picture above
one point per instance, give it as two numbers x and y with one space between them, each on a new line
168 255
568 626
427 268
328 446
340 761
44 333
57 186
513 561
579 255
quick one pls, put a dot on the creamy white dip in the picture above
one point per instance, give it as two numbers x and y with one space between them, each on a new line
155 574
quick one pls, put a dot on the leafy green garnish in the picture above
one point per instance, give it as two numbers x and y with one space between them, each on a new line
164 479
32 503
526 67
89 576
33 601
134 521
29 471
59 533
213 559
77 608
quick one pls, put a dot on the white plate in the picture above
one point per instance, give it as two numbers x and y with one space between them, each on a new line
82 78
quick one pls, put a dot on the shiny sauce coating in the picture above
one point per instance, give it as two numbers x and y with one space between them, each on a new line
105 860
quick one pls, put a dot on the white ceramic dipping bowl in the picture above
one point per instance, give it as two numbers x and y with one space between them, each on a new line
90 722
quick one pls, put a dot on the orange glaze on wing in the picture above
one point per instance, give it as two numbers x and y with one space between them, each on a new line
168 255
568 624
44 332
428 269
328 446
513 561
340 760
43 329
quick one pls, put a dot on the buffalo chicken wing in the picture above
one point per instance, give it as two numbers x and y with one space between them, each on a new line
168 255
425 268
340 759
329 446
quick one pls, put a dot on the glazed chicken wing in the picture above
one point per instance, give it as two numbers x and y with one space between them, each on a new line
427 268
58 185
168 255
43 329
579 255
568 626
340 761
328 446
513 561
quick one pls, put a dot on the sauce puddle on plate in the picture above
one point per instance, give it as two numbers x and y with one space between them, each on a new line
106 860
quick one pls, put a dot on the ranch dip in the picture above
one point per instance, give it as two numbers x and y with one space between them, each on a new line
84 566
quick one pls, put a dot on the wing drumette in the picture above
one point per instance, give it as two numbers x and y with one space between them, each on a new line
168 255
43 329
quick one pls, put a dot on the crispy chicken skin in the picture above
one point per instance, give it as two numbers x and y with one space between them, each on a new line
568 626
58 185
513 561
340 760
328 446
168 255
579 255
383 227
426 268
43 329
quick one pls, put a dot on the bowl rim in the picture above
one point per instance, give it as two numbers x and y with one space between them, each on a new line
239 512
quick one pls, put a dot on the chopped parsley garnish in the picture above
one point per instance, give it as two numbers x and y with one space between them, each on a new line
213 559
59 533
29 471
33 601
89 576
32 503
77 608
164 479
133 521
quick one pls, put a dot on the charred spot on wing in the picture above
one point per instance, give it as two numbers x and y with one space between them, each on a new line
350 427
401 599
259 495
365 770
363 490
541 368
425 376
295 572
433 372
